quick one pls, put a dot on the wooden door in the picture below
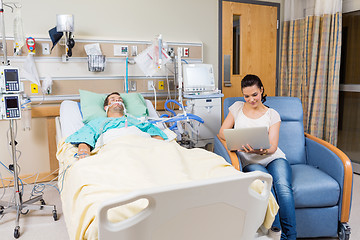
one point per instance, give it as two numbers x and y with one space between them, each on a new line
249 45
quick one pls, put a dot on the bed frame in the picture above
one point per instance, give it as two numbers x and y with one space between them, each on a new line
220 208
225 208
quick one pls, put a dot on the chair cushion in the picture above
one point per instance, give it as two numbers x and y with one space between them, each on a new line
313 188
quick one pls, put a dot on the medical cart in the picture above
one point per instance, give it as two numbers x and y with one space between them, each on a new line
208 107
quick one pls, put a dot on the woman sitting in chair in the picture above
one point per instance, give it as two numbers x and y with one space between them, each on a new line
253 113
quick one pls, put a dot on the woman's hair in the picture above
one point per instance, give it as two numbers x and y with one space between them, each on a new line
106 101
251 80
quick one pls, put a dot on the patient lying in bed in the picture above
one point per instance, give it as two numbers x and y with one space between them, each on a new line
87 137
122 165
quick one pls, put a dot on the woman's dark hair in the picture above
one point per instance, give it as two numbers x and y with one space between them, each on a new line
106 101
251 80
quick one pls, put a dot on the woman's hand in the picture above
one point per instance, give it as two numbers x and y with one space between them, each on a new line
249 149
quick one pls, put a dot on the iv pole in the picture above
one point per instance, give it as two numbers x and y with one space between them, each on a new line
19 205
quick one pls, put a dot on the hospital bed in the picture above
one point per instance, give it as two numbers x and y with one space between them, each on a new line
215 202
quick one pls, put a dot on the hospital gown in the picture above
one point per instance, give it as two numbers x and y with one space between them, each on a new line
90 133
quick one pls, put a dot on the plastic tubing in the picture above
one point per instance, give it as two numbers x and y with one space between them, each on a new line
181 118
170 110
127 75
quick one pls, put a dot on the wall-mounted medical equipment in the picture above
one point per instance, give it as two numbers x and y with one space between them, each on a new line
198 78
96 60
65 24
10 106
96 63
30 44
9 80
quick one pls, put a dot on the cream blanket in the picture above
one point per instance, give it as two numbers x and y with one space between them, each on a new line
126 164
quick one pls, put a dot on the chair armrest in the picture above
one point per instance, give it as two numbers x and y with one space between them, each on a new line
220 148
337 164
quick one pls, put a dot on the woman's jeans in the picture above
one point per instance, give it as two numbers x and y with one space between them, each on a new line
281 172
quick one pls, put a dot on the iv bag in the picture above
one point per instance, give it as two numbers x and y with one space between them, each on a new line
151 59
19 37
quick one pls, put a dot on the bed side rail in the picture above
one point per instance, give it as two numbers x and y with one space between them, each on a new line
222 208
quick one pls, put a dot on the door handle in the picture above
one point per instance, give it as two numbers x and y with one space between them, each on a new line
227 73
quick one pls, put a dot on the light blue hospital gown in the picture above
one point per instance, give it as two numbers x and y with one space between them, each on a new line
90 133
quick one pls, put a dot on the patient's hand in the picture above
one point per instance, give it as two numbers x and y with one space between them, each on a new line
157 137
83 150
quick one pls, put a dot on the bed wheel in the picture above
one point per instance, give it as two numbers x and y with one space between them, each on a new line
344 231
17 232
55 215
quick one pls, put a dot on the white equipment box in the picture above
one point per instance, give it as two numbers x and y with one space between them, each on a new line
208 107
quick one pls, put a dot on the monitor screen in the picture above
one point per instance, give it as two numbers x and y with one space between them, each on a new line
11 102
11 75
198 77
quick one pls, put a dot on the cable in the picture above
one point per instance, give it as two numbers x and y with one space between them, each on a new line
3 186
152 84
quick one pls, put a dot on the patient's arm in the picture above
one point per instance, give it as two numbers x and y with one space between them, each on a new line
83 150
157 137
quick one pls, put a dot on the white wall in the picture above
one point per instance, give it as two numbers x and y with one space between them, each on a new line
185 20
351 5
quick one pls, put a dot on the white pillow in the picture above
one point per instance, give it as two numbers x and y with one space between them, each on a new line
70 118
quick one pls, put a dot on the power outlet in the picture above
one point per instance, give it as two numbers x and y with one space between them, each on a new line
45 48
132 86
161 85
150 85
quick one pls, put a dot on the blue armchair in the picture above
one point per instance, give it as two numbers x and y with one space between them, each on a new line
322 174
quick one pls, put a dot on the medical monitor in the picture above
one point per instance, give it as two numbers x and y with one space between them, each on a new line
10 106
198 78
10 81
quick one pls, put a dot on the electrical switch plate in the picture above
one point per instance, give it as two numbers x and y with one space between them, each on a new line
133 51
45 48
34 88
161 85
150 85
121 50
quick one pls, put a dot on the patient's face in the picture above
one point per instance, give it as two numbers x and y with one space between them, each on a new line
115 107
252 95
114 98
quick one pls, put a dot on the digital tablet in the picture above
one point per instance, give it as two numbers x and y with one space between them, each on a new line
256 137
